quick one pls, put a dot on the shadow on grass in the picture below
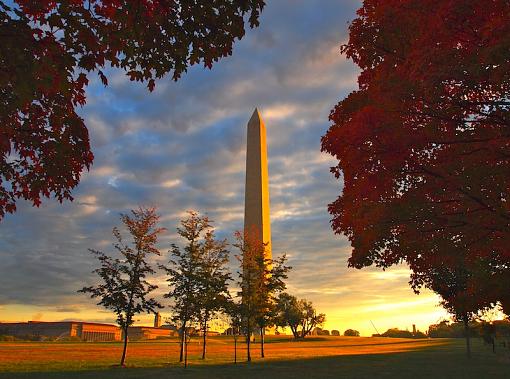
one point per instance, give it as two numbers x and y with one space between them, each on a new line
442 361
292 339
387 342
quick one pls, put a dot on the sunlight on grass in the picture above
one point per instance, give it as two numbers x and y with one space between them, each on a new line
317 357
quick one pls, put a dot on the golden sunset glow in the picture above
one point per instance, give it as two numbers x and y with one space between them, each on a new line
254 189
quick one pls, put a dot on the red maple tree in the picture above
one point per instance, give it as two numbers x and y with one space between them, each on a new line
423 146
49 48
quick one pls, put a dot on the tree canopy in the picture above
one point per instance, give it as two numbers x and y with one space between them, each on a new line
299 315
198 276
49 48
423 146
261 279
124 288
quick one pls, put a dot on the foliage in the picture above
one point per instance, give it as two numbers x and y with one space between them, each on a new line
197 275
213 278
423 144
351 333
397 333
463 286
233 311
445 329
50 47
124 288
299 315
320 332
261 279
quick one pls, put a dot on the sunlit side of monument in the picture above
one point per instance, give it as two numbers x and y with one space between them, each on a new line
257 225
256 201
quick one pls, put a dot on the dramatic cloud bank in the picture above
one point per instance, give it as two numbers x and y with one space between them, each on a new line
183 147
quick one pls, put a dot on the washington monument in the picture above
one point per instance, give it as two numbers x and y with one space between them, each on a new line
256 197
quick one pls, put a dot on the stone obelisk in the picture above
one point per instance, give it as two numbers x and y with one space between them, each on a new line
256 197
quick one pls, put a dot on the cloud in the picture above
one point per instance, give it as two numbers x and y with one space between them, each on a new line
183 147
68 309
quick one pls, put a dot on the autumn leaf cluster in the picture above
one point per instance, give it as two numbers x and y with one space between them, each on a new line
423 145
49 48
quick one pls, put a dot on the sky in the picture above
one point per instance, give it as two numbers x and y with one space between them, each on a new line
183 147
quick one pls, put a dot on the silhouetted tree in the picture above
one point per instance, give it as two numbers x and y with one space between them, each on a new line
351 333
288 313
299 315
460 283
488 334
124 288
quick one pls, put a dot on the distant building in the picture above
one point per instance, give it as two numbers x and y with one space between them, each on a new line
157 320
173 328
87 331
136 333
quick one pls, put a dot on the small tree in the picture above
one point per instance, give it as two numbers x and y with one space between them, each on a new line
288 313
299 315
351 333
213 277
272 285
234 314
197 276
252 270
458 281
183 274
260 280
124 288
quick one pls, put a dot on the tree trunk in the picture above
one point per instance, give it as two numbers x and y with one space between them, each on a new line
262 342
204 339
294 332
185 349
183 332
468 341
235 349
124 350
248 341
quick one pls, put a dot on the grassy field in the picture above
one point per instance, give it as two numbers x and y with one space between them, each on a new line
325 357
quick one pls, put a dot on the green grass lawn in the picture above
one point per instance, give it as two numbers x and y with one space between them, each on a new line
317 358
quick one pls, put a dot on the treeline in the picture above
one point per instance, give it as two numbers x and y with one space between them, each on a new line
490 332
199 282
398 333
485 330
